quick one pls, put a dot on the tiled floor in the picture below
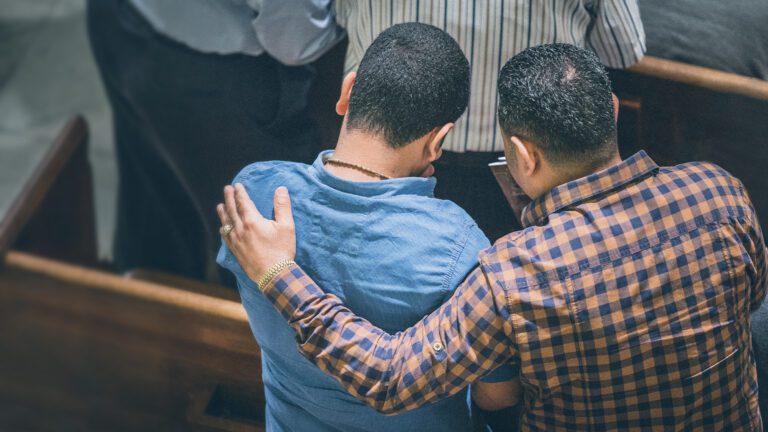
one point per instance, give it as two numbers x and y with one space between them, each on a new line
47 75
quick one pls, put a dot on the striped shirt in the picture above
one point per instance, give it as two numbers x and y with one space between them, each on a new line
490 32
625 303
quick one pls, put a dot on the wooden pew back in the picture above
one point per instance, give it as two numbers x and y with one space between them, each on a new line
681 113
83 350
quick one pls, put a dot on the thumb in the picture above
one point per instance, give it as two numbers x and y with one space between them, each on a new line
283 212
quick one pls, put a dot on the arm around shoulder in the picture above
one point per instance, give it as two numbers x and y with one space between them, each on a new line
452 347
430 361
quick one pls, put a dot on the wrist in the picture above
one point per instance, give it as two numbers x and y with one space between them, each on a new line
273 271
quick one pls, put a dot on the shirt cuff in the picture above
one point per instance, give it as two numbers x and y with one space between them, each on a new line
288 288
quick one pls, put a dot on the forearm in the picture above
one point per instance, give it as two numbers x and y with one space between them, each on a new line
496 396
434 359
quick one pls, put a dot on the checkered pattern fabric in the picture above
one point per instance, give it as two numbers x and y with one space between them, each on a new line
625 303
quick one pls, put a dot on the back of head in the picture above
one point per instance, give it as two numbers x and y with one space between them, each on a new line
559 97
413 78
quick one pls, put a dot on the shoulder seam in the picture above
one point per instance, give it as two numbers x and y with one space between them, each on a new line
457 251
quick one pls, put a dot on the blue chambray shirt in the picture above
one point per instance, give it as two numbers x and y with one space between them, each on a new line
364 242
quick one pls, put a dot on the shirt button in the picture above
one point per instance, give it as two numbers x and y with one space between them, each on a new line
437 346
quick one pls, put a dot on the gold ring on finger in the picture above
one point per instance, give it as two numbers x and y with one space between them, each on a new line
226 229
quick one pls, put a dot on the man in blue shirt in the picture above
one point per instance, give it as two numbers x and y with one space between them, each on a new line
368 224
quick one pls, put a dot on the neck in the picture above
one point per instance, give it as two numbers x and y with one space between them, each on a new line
370 152
571 175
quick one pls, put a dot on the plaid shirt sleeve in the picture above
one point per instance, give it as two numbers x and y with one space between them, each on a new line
459 342
761 269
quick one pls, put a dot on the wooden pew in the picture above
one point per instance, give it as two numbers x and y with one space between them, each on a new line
681 113
52 212
705 78
83 349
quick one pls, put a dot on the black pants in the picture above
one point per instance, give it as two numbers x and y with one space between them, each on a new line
465 179
185 123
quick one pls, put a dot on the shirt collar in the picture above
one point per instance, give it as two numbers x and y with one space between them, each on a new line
591 186
397 186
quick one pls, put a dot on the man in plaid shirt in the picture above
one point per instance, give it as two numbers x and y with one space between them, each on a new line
625 301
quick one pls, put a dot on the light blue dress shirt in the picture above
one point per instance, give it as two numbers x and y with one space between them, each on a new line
364 242
294 32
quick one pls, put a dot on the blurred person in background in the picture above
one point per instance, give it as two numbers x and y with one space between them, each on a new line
196 88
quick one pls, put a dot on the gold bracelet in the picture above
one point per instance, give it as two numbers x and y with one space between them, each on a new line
273 271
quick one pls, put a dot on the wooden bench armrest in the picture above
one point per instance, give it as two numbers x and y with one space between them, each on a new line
140 290
698 76
187 284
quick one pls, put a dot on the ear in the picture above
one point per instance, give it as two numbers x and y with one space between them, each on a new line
434 148
615 107
342 105
526 156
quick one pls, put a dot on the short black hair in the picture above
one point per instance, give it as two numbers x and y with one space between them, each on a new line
413 78
558 96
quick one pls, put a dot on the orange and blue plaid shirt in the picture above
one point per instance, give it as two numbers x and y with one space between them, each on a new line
625 302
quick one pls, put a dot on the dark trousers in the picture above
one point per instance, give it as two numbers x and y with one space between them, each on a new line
185 123
465 179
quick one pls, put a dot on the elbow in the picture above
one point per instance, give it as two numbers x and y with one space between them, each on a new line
298 51
383 406
387 411
290 49
294 51
383 402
